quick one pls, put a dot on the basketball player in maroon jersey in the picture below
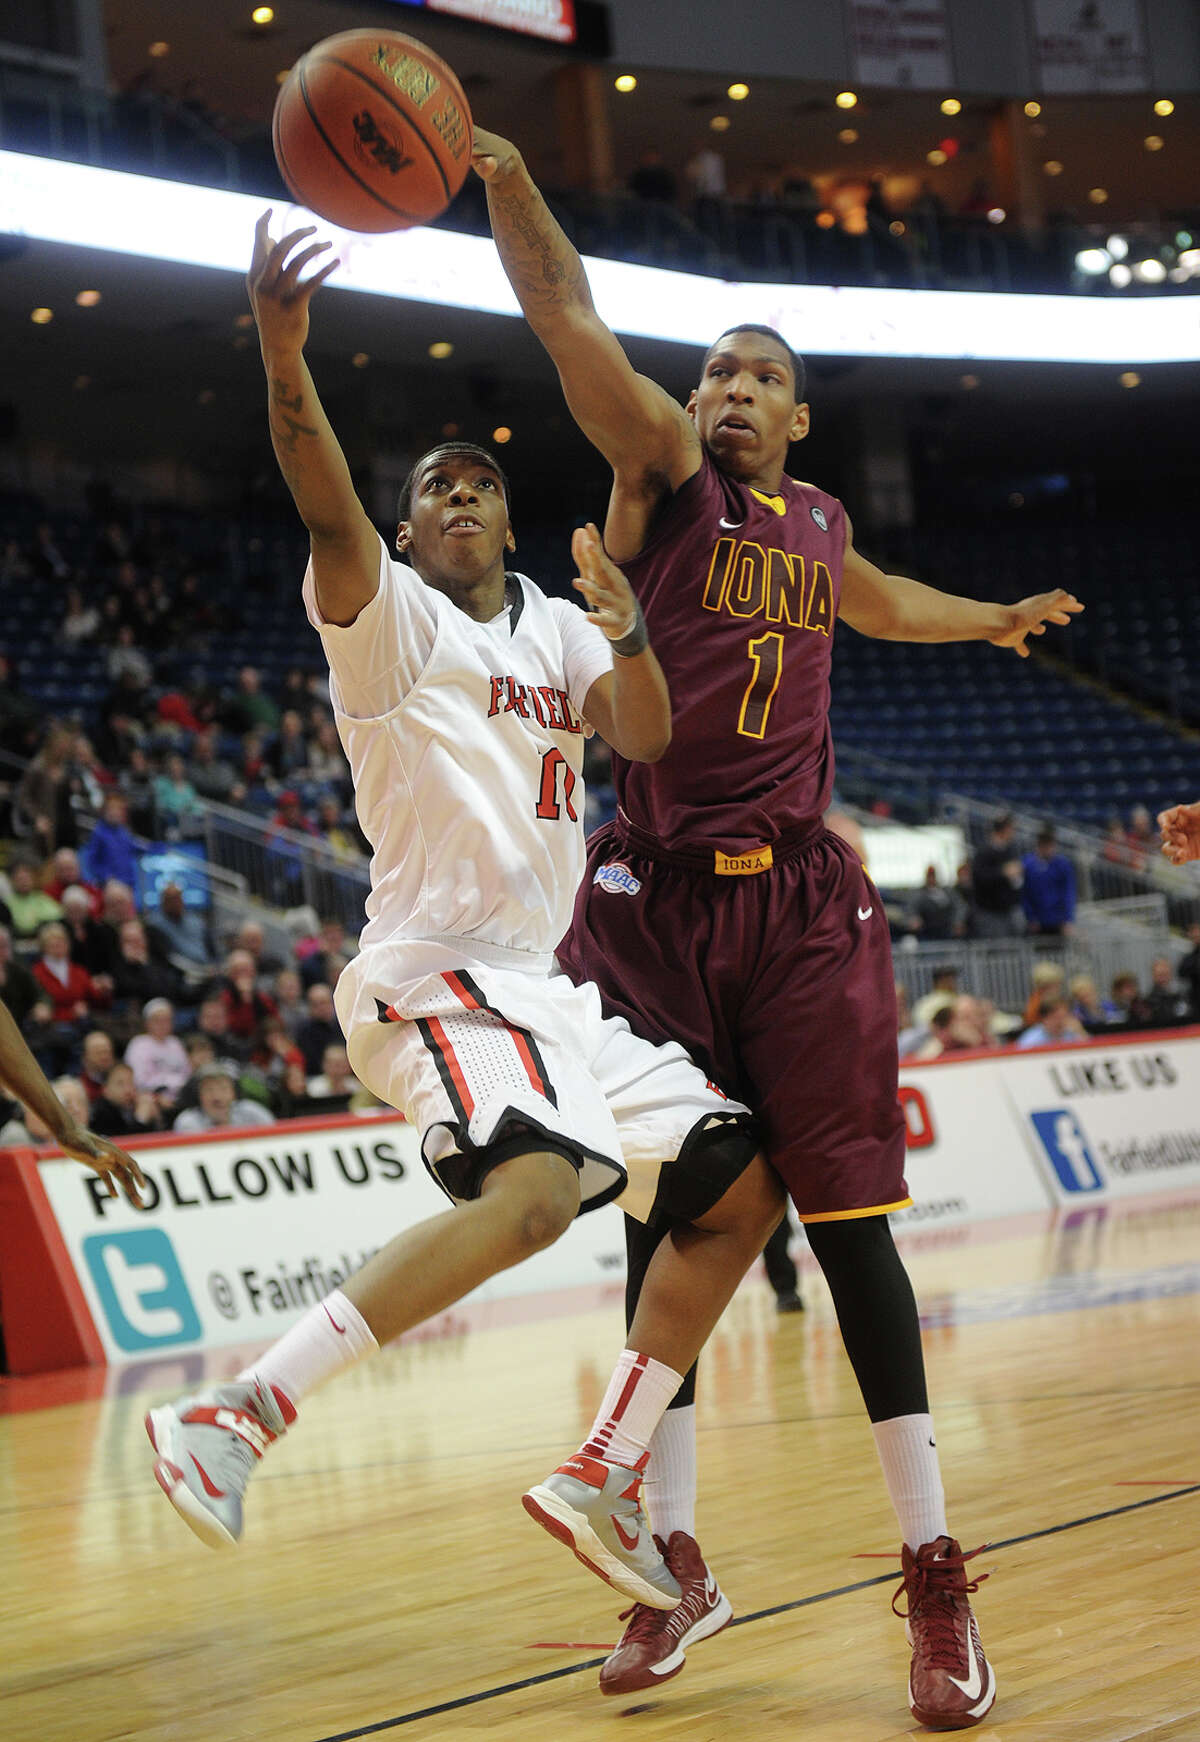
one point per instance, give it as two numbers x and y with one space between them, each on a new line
719 911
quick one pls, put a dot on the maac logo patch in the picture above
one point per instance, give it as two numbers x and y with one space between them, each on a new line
818 515
617 880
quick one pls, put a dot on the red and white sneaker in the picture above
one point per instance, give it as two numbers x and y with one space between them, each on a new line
950 1683
208 1446
651 1649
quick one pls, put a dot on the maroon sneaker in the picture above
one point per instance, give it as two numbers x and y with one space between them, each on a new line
651 1649
950 1684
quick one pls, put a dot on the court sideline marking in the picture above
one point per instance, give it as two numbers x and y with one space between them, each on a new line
552 1675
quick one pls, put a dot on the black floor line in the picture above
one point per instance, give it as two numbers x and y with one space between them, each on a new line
553 1675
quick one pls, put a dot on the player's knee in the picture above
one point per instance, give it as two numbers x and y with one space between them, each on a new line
550 1206
752 1207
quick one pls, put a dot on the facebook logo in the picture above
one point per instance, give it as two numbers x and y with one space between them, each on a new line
1067 1148
141 1288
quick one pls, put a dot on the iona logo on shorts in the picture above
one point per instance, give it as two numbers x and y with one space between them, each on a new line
617 880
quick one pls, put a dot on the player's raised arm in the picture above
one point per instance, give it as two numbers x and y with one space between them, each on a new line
895 608
23 1077
634 423
629 706
345 548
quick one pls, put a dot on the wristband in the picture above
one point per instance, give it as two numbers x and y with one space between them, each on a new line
634 640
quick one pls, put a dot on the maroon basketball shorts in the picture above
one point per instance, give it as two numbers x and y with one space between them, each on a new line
775 973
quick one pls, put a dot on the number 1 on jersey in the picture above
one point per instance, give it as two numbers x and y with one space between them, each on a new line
766 653
548 807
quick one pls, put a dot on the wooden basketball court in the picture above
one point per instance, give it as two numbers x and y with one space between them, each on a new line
389 1582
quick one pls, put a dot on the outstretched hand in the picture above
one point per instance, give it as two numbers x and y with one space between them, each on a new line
611 604
1180 829
107 1160
278 297
1031 616
491 155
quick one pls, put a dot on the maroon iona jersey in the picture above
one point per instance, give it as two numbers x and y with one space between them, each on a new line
740 591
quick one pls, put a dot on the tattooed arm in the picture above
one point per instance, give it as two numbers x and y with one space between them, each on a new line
645 436
345 548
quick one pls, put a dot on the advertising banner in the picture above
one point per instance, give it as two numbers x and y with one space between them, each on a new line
965 1160
1089 46
901 42
1110 1121
240 1236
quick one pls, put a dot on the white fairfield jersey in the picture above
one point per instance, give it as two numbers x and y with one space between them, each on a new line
465 742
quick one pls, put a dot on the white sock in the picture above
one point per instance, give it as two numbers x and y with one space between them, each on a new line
330 1336
638 1393
908 1452
669 1484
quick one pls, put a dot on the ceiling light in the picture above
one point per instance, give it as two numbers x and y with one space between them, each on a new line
87 298
243 320
1130 378
263 14
283 75
1053 167
157 50
1098 196
1149 271
1153 142
996 214
1119 276
41 317
898 227
625 82
1191 259
848 136
502 435
937 156
1033 110
1118 247
738 93
1093 261
1164 106
441 348
951 106
825 220
360 359
846 99
969 381
1179 275
720 123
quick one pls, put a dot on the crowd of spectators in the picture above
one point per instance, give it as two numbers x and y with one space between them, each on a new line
1059 1010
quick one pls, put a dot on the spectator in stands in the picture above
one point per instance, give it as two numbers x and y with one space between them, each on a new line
48 562
42 800
122 1109
30 908
996 883
1047 977
287 755
1126 1008
251 938
214 777
288 993
19 991
180 812
136 780
1189 971
127 663
945 990
24 1127
137 977
70 989
245 1006
93 945
1048 888
941 1021
156 1056
117 903
321 1028
1086 1004
1167 1003
111 852
1141 838
81 621
97 1058
218 1105
212 1020
936 914
1056 1026
326 758
289 814
344 840
65 873
335 1083
329 958
248 708
179 931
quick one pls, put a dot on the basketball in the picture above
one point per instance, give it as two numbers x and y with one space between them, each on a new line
372 131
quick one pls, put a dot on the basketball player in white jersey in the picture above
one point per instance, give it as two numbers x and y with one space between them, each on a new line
462 694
